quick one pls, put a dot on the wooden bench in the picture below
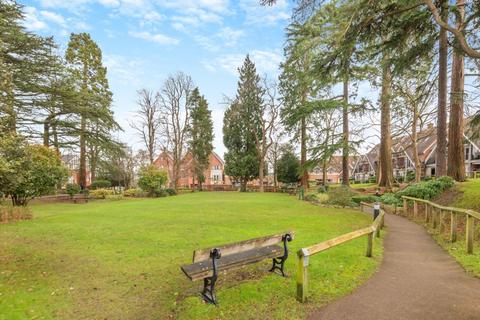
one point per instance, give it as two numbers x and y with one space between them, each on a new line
207 263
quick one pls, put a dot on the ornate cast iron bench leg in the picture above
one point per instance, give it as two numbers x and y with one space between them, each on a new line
279 263
208 292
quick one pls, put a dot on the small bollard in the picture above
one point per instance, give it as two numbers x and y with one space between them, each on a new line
376 210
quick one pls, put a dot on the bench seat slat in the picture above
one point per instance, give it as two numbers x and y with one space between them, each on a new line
204 269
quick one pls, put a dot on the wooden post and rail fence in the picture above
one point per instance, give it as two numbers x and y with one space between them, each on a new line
433 213
304 254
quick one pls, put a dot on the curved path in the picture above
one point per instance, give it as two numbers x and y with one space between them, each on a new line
417 280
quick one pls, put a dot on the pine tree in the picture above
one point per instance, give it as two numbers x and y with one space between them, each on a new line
200 135
241 127
85 59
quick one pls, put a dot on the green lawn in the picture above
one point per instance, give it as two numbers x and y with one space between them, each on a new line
121 259
468 198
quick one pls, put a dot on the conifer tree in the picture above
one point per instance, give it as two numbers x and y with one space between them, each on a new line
200 135
241 127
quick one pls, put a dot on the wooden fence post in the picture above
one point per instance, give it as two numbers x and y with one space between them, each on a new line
453 226
405 206
469 234
426 213
415 209
369 244
302 275
434 217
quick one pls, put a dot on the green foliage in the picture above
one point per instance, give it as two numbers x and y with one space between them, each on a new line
241 127
101 193
311 197
410 176
390 199
341 196
288 167
365 198
427 189
28 171
72 189
201 134
100 184
133 192
171 192
152 180
114 197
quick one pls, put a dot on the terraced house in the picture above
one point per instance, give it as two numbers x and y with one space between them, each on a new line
403 156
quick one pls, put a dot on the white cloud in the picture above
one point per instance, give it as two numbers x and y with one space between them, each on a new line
32 21
265 15
155 37
123 70
53 17
110 3
230 36
266 62
226 37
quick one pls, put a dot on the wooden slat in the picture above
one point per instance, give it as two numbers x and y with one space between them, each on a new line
338 240
302 277
469 235
204 269
236 247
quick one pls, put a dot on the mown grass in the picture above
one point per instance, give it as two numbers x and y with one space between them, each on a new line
469 198
121 259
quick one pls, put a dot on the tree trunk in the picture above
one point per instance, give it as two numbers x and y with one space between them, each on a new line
345 150
456 152
243 185
324 173
46 133
261 167
416 159
303 154
55 139
82 179
386 169
441 151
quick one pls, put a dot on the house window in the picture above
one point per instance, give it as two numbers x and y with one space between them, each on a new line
467 153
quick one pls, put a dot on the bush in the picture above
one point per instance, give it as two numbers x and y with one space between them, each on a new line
399 179
312 197
365 198
373 179
171 192
101 193
114 196
323 189
427 189
100 184
72 189
390 199
410 176
134 192
341 196
152 181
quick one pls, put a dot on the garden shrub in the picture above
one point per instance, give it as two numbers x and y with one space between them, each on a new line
427 189
311 197
341 196
152 180
72 189
114 196
365 198
171 192
100 184
101 193
133 192
323 189
373 179
390 199
410 176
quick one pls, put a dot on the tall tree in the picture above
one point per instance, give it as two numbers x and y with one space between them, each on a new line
175 109
85 59
147 121
441 151
456 154
242 128
200 135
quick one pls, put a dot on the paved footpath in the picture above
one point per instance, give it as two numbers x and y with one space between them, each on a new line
417 280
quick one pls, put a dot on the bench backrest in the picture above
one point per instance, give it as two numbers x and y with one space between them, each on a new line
232 248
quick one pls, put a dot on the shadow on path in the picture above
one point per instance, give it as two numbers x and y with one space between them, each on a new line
417 280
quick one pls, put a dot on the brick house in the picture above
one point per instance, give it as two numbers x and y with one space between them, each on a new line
72 162
214 174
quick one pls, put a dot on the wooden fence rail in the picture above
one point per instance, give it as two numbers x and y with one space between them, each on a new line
304 254
434 212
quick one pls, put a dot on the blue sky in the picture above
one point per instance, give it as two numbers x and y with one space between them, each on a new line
145 40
